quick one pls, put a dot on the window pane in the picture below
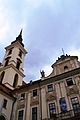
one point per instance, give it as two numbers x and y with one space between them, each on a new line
23 95
50 87
75 104
20 115
4 103
69 82
63 104
34 92
52 109
34 113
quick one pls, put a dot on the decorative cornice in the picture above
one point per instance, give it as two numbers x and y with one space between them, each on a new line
11 65
18 45
57 78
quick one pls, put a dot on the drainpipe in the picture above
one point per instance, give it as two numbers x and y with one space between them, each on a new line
40 102
12 108
1 108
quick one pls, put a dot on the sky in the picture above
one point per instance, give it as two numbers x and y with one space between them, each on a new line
48 26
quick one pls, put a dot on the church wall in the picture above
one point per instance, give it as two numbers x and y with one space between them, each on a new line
6 111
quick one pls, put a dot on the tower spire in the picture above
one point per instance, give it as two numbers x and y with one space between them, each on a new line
19 38
21 31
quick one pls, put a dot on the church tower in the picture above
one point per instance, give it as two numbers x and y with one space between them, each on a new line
11 69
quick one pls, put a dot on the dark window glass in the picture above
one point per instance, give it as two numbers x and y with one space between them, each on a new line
34 113
75 104
50 87
20 53
15 80
10 52
2 76
34 92
52 109
63 104
18 65
4 103
6 63
23 96
20 115
69 82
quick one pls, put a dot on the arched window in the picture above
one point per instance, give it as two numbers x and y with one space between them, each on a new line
18 63
65 67
2 76
20 54
15 80
6 63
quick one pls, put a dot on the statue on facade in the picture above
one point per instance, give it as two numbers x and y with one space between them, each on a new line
42 73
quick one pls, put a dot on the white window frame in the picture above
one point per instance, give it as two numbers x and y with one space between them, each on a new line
48 107
52 87
23 113
38 112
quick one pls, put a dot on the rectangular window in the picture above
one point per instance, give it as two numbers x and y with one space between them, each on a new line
34 92
50 87
52 109
69 82
22 96
63 104
5 103
75 104
20 115
34 113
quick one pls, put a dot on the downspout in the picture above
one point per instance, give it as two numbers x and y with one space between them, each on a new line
40 102
12 108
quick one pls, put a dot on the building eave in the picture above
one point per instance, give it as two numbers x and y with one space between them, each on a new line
46 81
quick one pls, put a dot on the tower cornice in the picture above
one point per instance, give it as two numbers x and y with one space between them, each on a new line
11 65
16 44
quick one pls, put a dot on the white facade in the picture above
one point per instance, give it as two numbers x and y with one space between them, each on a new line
54 96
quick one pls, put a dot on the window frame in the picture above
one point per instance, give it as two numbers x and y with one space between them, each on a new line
68 80
22 96
63 104
75 105
52 109
5 101
35 113
18 114
50 87
15 82
34 93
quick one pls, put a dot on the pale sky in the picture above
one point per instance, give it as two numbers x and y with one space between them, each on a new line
48 26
